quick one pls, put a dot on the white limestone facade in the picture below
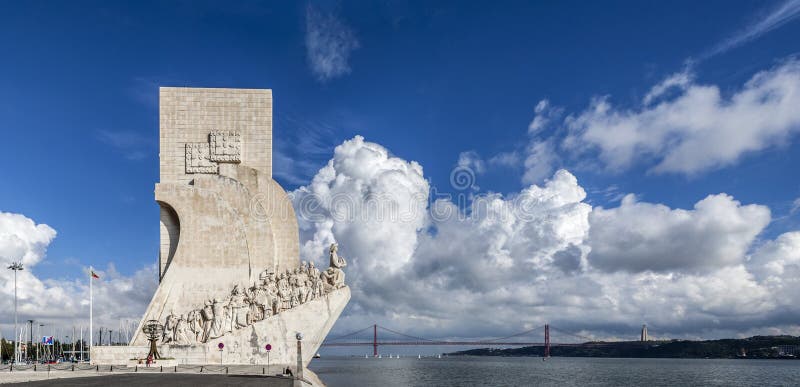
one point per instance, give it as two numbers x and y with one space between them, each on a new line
226 224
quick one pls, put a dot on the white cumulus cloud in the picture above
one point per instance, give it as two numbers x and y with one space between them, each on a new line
640 236
58 303
697 129
543 255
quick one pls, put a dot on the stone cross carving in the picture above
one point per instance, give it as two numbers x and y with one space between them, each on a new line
222 147
198 159
225 146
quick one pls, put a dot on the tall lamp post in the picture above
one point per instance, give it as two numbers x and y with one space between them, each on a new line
16 266
40 344
30 325
299 374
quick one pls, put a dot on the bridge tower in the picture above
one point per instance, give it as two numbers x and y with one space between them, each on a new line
644 333
546 340
375 340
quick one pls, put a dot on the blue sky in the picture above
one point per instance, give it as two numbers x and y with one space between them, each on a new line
426 80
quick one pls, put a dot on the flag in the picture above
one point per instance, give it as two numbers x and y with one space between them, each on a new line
92 276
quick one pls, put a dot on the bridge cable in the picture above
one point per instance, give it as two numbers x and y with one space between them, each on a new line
349 334
408 336
514 335
573 334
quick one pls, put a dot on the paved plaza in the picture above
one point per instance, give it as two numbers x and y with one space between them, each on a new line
66 378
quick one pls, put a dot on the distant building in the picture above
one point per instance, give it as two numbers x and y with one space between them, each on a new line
644 333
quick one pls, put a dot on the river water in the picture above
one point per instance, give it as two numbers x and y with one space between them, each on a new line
557 371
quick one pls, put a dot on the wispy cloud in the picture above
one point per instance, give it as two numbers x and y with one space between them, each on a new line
144 89
133 145
304 147
780 15
329 43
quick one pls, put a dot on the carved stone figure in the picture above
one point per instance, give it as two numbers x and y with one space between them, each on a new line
239 308
302 283
218 320
312 270
284 292
169 328
264 277
207 314
258 304
333 277
181 331
298 293
336 261
195 324
272 292
328 280
316 281
246 307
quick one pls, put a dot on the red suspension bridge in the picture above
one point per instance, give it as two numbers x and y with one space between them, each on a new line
369 336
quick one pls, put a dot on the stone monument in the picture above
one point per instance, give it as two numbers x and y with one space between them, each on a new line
229 265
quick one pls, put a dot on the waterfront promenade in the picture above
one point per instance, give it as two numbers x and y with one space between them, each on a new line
68 378
188 375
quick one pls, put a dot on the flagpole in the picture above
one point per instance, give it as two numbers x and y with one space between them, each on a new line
91 279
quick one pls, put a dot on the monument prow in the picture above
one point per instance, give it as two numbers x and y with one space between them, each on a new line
229 268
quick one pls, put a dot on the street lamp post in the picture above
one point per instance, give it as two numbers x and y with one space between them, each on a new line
299 374
30 325
39 343
16 266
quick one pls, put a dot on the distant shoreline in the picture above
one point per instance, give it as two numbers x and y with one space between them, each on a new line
756 347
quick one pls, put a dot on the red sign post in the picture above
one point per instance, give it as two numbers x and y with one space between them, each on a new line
268 347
